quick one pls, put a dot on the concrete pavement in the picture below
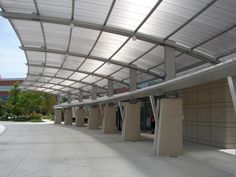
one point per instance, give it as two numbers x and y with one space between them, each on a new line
46 150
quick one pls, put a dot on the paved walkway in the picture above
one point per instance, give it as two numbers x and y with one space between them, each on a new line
45 150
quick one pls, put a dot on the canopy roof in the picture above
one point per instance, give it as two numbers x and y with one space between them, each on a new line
72 45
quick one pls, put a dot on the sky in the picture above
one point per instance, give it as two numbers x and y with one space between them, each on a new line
12 58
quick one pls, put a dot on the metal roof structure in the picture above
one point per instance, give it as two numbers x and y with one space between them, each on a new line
74 45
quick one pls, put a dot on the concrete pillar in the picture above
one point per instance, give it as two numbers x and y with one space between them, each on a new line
68 116
57 116
80 114
109 120
170 129
131 122
93 120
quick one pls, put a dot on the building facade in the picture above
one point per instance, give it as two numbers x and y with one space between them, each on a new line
6 85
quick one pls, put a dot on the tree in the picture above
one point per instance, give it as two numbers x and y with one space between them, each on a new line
13 102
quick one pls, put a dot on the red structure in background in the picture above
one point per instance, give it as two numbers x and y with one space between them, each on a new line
6 85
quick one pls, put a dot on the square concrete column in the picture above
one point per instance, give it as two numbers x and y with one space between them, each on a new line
131 123
109 120
170 131
68 116
80 114
57 116
93 121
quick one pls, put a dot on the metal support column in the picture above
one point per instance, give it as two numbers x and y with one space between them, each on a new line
155 110
170 62
232 88
133 79
110 91
81 95
94 93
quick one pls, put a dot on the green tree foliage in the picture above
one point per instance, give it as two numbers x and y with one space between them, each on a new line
28 102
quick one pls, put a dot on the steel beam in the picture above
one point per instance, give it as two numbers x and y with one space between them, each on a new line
143 37
127 65
212 73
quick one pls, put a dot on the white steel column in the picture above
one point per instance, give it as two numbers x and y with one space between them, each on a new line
155 110
232 87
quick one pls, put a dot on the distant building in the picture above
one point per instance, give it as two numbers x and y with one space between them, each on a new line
5 85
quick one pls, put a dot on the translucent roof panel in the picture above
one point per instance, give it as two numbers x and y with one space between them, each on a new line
55 81
82 40
30 32
221 44
50 71
143 77
32 78
35 70
129 14
90 65
184 61
48 85
152 58
54 59
55 8
77 76
72 62
64 73
122 74
44 79
92 11
57 87
20 6
35 57
37 84
170 15
67 83
212 21
91 79
107 69
132 50
57 36
108 45
102 83
78 85
98 39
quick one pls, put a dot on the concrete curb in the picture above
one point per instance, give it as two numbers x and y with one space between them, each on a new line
2 128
